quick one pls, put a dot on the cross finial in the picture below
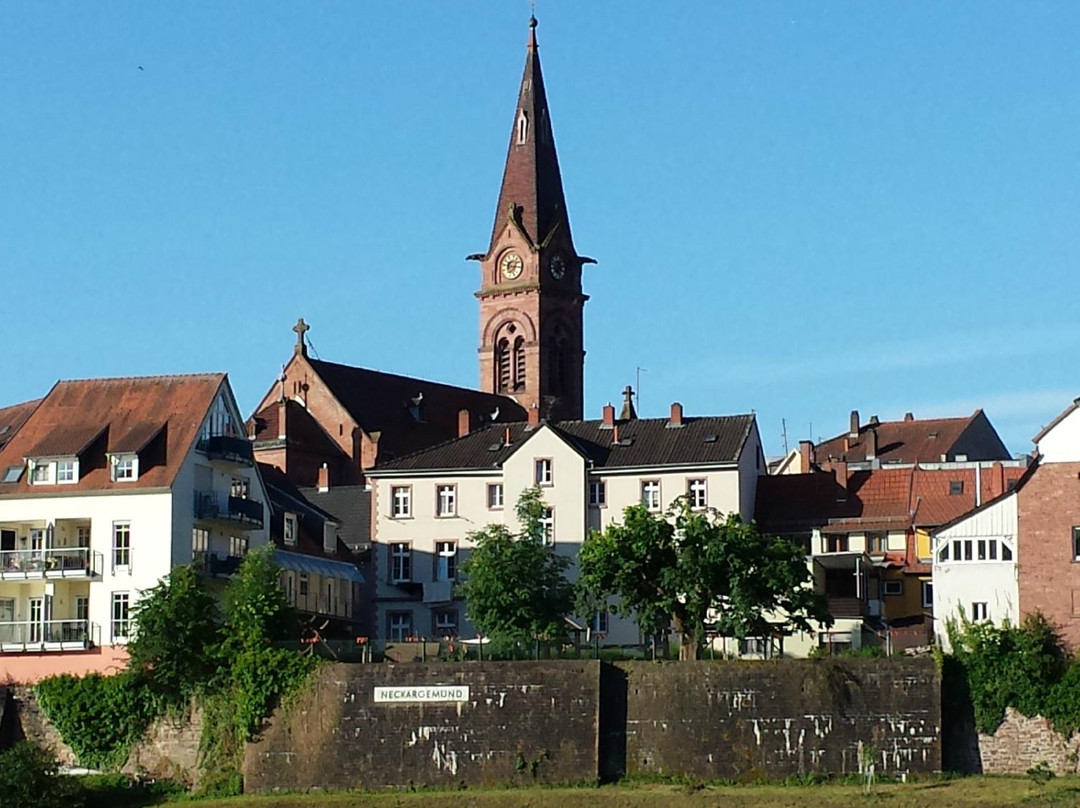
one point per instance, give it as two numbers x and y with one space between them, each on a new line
301 328
281 379
628 412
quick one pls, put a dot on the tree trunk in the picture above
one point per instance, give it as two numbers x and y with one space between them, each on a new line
688 644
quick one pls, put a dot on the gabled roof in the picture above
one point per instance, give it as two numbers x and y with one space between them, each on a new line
13 417
919 440
643 442
351 506
1043 432
285 497
113 415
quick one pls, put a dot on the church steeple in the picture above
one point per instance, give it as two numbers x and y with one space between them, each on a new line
531 302
532 191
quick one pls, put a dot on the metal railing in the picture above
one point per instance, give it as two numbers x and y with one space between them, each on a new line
228 448
218 566
847 607
223 507
62 562
29 636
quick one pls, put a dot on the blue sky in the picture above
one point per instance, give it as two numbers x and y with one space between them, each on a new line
797 208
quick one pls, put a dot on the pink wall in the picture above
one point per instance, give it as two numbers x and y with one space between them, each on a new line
29 669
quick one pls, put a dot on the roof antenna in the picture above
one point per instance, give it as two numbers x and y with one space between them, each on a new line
637 383
281 379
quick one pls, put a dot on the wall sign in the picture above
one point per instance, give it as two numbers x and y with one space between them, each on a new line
406 694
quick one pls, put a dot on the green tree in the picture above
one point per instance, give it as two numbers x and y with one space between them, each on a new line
514 585
177 626
687 566
257 611
30 778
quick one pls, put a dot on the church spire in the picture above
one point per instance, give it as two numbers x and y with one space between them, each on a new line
532 191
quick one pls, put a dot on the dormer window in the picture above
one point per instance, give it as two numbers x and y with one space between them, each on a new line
125 468
67 471
41 472
52 471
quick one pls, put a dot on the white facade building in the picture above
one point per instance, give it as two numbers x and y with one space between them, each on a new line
425 505
108 485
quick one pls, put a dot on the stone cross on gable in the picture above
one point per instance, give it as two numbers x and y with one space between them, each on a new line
301 328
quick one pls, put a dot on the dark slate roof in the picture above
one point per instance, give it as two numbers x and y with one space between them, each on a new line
642 442
351 506
922 440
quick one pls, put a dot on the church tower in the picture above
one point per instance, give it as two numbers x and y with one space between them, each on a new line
531 303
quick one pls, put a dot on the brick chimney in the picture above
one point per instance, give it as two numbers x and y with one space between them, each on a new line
874 420
282 417
997 481
870 439
534 415
463 423
614 433
840 470
853 432
806 456
609 416
324 478
909 416
676 415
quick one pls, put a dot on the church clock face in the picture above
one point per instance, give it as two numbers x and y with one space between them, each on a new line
557 267
511 266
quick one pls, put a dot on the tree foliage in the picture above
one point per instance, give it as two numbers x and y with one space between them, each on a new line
687 567
514 584
30 778
177 627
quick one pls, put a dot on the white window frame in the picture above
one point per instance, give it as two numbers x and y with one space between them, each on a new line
82 536
200 540
400 562
239 546
290 530
695 487
120 616
648 489
598 494
67 471
124 468
547 526
121 551
302 589
600 622
1076 542
980 611
446 501
446 560
401 501
443 627
495 496
42 472
82 607
545 471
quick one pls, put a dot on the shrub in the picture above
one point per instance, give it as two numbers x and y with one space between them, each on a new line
30 778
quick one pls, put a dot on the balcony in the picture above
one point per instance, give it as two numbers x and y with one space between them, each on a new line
227 449
847 608
218 566
233 511
56 562
53 635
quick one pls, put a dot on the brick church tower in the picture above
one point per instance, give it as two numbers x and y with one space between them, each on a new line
531 303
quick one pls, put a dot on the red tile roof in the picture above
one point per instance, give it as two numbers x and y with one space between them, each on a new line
125 414
922 440
13 417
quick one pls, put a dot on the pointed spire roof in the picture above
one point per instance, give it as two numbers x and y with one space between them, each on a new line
531 182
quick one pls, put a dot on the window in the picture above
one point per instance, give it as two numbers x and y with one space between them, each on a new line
928 594
547 526
519 363
12 474
40 472
303 584
200 540
123 468
597 494
697 492
444 623
502 365
754 646
121 616
836 544
400 626
1076 543
290 529
877 543
121 544
65 471
600 623
37 539
82 608
238 546
543 471
400 562
446 504
894 588
956 488
980 611
290 586
445 560
494 496
1006 552
239 487
650 494
943 553
401 496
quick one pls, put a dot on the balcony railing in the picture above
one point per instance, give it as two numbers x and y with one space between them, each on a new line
228 449
218 566
847 607
52 635
247 513
56 562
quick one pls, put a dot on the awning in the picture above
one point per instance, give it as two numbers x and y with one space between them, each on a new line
297 562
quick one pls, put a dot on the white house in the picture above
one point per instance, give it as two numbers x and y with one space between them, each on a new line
425 505
107 486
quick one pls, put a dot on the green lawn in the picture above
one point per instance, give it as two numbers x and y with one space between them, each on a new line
972 791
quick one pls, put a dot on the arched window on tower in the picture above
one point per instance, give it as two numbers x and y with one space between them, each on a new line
519 363
523 127
502 365
558 361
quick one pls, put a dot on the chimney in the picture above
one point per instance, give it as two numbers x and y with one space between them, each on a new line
282 416
506 439
609 416
462 423
806 456
534 415
676 415
853 433
871 443
324 479
614 433
909 416
847 444
840 470
874 420
997 481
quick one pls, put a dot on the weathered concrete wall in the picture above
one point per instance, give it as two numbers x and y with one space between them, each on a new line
522 723
773 719
1021 743
31 724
